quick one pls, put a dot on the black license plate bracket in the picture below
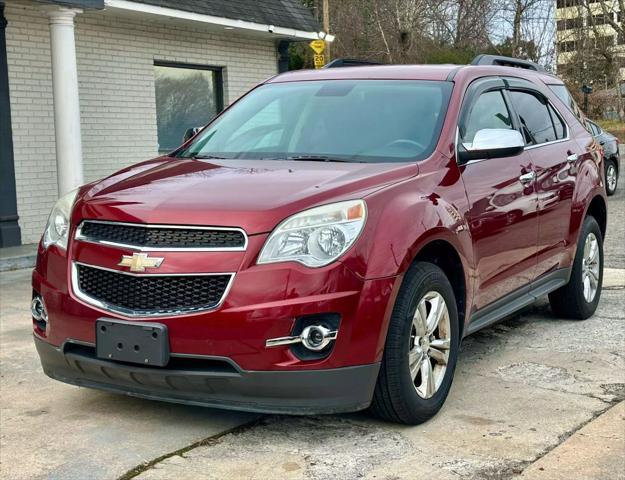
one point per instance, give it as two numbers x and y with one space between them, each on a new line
145 343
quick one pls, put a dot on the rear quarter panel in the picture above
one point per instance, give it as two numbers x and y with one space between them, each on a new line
589 185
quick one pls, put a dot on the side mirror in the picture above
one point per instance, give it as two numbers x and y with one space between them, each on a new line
492 143
189 133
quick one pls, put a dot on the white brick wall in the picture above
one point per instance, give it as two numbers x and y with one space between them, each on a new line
116 79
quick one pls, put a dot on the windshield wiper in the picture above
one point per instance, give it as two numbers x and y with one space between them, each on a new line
315 158
207 157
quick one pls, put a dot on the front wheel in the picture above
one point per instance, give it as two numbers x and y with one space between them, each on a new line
421 348
611 177
579 298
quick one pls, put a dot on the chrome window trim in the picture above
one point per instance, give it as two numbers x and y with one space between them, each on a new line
79 236
545 144
129 313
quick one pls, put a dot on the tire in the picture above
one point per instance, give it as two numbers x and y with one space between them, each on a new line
396 396
611 177
570 301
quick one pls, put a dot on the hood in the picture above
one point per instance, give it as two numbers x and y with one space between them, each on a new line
253 195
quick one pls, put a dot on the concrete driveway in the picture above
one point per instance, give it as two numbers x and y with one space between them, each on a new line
52 430
534 397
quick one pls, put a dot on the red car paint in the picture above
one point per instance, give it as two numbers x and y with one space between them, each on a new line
505 234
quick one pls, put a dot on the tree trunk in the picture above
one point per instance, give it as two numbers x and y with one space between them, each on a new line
516 28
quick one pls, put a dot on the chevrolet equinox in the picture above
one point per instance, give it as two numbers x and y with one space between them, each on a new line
326 242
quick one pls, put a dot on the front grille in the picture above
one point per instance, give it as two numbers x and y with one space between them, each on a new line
150 294
161 236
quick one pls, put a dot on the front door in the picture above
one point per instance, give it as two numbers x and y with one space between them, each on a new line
502 201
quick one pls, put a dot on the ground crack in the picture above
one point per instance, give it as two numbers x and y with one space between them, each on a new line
208 441
561 439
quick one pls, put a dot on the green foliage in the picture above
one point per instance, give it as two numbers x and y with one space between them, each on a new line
615 127
300 56
458 56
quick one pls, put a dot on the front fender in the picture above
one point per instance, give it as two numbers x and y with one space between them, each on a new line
402 220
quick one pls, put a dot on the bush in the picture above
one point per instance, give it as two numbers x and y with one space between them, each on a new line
615 127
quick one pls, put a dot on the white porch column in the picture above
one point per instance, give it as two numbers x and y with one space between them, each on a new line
66 101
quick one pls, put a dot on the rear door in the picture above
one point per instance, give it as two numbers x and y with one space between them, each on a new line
502 199
554 156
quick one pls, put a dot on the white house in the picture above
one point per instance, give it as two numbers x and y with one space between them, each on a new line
90 86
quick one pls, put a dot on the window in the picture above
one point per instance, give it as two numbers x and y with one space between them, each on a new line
537 123
489 111
594 129
570 23
187 96
570 3
563 94
601 18
568 46
337 120
558 124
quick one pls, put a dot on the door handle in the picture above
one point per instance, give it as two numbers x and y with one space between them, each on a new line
572 158
527 177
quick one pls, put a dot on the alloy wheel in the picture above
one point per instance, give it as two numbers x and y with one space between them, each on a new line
590 267
610 177
430 341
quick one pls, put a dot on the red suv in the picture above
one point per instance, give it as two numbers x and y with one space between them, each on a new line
326 242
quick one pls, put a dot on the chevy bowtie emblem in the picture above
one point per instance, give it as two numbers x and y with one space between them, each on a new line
138 262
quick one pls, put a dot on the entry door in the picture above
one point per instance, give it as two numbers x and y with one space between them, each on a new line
554 157
502 205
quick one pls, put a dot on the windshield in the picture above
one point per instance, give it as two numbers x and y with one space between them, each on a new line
336 120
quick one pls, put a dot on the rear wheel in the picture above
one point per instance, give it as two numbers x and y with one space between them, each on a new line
580 297
611 177
421 348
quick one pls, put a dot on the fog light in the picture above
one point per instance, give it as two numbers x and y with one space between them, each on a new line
39 312
313 337
317 337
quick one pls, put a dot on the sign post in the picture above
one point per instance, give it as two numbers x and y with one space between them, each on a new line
318 47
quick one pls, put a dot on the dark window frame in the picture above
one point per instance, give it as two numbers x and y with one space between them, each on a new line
219 77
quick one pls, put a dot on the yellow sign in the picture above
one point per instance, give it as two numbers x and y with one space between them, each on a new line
319 60
318 46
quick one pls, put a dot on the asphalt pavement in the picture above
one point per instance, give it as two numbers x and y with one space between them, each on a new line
534 397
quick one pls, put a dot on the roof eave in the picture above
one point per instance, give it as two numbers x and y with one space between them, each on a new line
269 30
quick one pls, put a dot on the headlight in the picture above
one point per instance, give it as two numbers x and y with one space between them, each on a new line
316 237
57 228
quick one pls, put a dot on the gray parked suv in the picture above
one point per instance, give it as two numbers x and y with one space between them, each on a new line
610 154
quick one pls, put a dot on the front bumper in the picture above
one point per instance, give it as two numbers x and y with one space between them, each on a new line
263 303
294 392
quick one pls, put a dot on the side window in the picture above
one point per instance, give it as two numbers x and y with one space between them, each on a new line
489 111
558 124
535 118
563 94
594 129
